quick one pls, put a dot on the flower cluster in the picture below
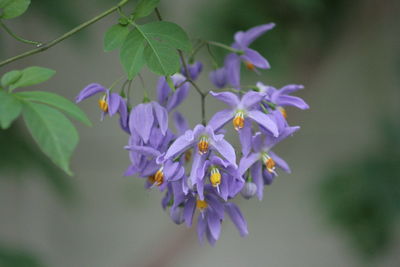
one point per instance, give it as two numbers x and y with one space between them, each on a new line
197 168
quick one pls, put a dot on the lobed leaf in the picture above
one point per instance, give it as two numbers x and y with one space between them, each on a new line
52 131
56 101
10 109
31 76
13 8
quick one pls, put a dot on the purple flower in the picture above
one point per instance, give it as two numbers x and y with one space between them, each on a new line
146 116
262 154
222 174
218 77
109 103
251 58
210 217
194 70
202 139
282 98
240 109
169 99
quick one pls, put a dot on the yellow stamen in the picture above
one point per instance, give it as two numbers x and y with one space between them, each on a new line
159 177
269 163
283 112
215 177
103 104
201 204
203 145
238 120
249 65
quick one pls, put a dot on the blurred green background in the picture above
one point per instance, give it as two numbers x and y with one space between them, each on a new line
339 207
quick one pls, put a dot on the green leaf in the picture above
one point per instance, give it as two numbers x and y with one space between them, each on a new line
10 109
10 77
167 32
13 8
31 76
115 36
144 8
161 58
53 132
56 101
132 56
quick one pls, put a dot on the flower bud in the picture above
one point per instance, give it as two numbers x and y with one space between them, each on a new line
176 214
249 190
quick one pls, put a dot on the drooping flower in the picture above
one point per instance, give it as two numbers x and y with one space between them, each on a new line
144 117
240 110
222 175
202 139
109 103
251 58
218 77
168 98
262 162
194 70
282 98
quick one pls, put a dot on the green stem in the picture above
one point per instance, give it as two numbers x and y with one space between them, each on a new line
226 47
8 30
44 47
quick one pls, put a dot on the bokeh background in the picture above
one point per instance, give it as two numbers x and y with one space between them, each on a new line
339 207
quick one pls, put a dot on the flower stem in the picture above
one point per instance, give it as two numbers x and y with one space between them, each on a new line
190 80
226 47
16 37
44 47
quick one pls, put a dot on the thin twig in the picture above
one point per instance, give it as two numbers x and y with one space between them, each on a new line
16 37
44 47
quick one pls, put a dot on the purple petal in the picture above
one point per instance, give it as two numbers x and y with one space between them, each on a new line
251 98
281 163
237 218
162 116
181 144
245 137
228 98
290 88
201 229
225 149
113 103
265 121
142 120
246 162
189 210
257 142
232 70
221 118
224 186
256 174
198 163
214 224
255 58
215 203
123 112
218 77
144 150
246 38
163 90
89 91
178 96
287 100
